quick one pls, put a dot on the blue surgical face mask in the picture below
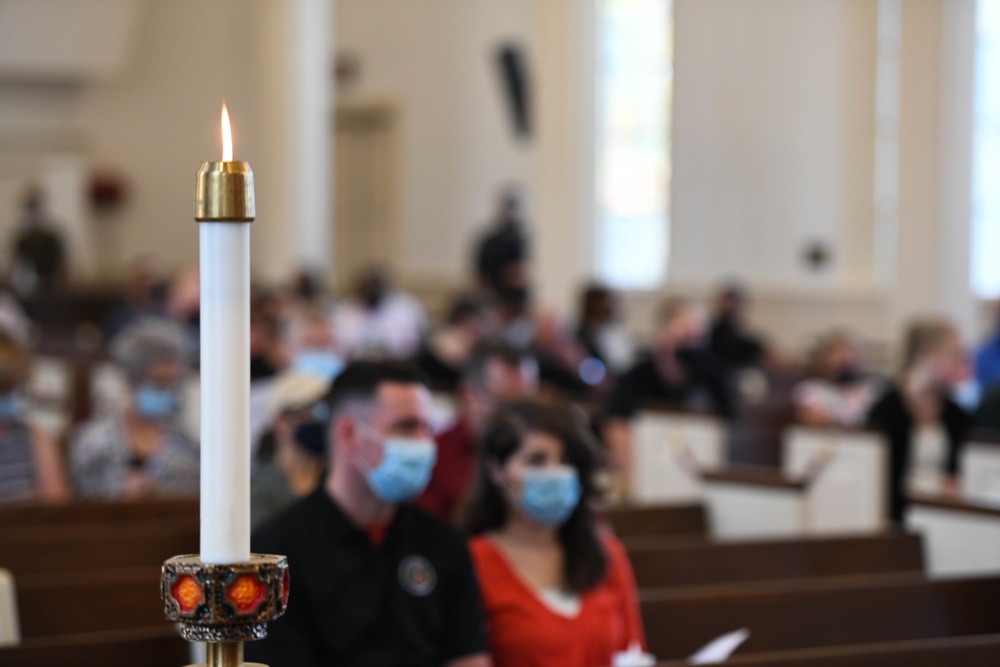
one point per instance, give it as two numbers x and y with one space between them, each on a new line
549 495
155 403
405 469
12 406
326 365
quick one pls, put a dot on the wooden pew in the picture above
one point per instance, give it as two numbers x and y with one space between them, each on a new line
663 562
41 549
749 502
661 520
669 445
757 502
817 613
848 473
97 601
151 647
980 466
97 512
962 536
975 651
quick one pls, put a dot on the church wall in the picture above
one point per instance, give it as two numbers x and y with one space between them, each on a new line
774 147
433 62
773 144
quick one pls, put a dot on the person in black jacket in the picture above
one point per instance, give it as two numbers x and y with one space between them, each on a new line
679 371
501 254
917 412
730 339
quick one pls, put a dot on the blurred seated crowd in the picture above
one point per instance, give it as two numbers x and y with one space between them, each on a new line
136 433
373 428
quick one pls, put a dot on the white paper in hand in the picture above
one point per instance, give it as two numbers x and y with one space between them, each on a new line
719 649
633 657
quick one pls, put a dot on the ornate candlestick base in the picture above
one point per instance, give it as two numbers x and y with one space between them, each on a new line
224 605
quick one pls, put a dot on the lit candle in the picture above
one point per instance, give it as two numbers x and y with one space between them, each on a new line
224 207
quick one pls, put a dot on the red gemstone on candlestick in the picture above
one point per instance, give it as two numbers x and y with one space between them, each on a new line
186 593
246 593
285 585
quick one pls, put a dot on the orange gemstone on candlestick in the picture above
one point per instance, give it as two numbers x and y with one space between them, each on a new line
186 593
246 593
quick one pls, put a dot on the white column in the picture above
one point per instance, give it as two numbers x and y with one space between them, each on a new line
294 123
563 94
312 140
958 54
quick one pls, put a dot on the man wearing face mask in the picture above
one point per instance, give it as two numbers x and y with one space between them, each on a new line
378 582
139 450
495 373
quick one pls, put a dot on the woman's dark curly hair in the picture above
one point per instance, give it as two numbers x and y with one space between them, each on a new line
585 560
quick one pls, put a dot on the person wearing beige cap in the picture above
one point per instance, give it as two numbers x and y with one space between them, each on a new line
292 454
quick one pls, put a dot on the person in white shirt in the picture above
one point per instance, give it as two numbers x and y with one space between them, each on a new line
837 392
379 321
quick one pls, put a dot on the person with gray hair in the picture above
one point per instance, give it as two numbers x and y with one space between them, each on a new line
139 450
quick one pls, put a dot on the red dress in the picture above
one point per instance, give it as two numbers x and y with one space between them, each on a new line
524 632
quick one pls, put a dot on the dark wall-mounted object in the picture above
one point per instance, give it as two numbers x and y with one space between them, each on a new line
817 255
512 67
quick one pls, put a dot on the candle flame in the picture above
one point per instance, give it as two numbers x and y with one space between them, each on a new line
227 136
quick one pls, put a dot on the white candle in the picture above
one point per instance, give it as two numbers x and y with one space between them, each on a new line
225 385
225 392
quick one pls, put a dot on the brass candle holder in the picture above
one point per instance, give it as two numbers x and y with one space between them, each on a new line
224 604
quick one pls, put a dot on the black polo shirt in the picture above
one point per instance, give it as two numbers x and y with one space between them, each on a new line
409 601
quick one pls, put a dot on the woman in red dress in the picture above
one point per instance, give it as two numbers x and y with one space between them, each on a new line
557 590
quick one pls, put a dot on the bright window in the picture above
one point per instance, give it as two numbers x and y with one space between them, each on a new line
986 153
634 86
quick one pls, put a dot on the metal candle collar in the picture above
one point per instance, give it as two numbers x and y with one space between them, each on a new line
224 192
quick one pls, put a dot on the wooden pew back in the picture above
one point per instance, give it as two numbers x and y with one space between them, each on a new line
92 512
77 547
661 562
811 614
850 467
980 467
975 651
668 448
97 601
662 520
149 647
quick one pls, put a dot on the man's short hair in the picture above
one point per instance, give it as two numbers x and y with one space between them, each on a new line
360 381
474 372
